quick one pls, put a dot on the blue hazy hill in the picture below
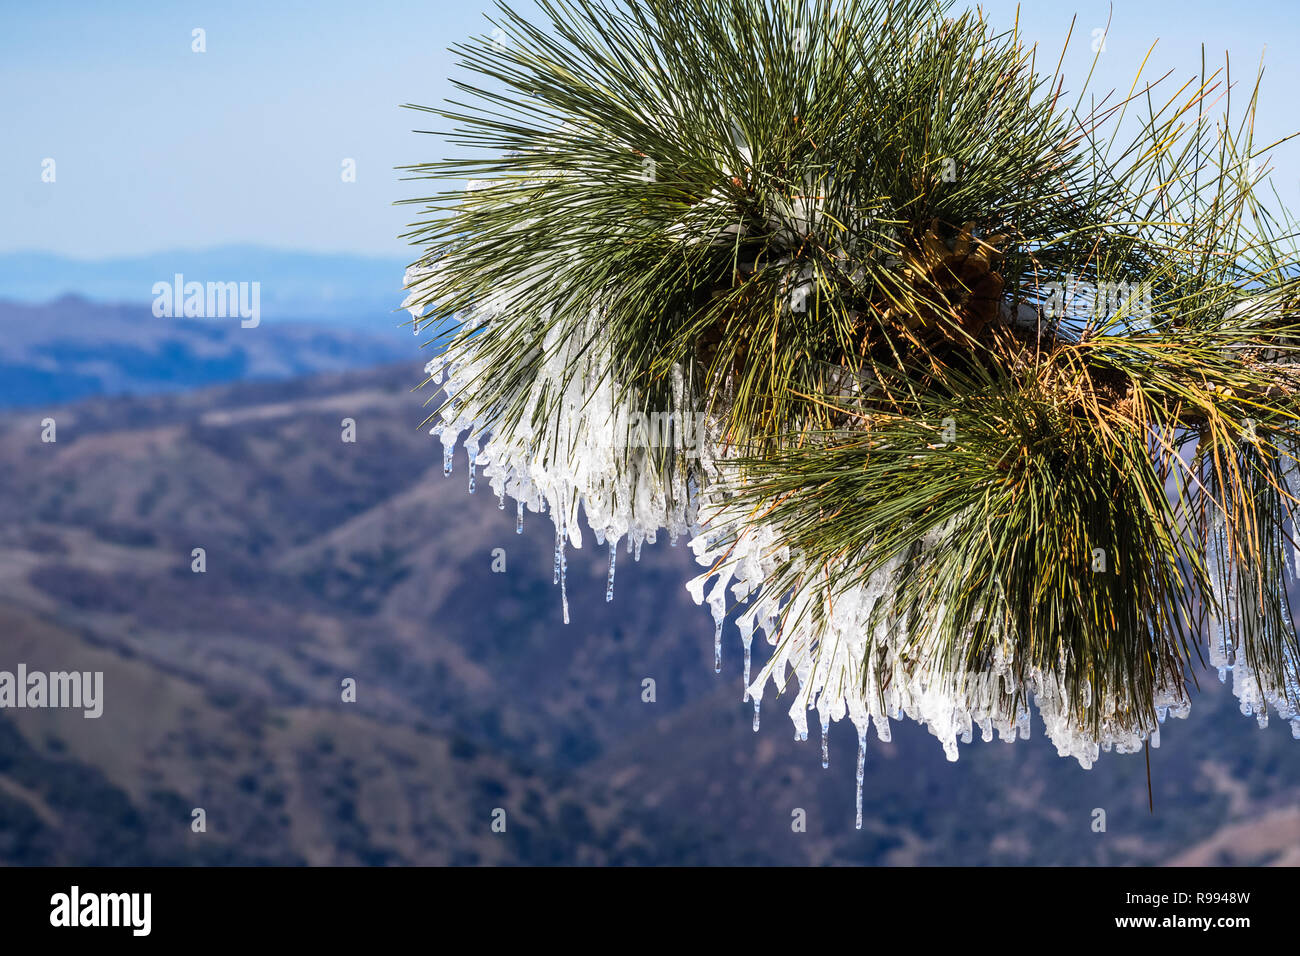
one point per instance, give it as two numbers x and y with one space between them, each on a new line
70 349
321 287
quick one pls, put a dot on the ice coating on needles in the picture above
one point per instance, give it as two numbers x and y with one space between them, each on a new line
851 659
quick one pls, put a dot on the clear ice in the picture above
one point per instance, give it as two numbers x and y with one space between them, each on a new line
826 741
609 583
862 772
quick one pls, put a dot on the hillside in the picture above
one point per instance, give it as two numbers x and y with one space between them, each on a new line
71 348
328 560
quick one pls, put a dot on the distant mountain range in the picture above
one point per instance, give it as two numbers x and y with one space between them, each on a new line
361 291
72 348
328 560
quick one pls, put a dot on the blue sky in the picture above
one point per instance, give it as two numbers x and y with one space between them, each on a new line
157 147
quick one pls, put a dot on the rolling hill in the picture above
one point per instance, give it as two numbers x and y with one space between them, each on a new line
71 348
328 560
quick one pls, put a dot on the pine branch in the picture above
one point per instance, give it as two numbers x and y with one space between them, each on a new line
996 399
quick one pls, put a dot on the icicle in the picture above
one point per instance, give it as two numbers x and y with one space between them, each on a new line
717 645
718 608
448 450
473 474
758 702
563 570
613 556
636 555
501 501
862 770
882 728
826 741
564 590
559 544
519 517
717 654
